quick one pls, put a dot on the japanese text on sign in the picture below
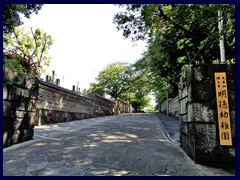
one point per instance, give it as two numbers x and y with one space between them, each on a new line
223 109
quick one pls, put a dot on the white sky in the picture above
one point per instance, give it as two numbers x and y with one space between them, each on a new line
85 41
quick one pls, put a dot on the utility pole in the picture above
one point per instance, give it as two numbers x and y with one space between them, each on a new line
220 27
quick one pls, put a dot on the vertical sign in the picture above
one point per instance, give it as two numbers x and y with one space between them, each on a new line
225 134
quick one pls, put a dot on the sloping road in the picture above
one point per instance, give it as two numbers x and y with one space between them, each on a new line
111 146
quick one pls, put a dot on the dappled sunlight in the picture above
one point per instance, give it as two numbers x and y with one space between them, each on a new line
116 140
132 135
90 145
99 172
119 138
40 144
161 140
164 175
114 148
72 148
116 137
120 173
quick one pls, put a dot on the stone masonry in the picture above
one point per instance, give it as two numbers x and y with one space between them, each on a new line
28 102
56 104
173 107
19 107
198 114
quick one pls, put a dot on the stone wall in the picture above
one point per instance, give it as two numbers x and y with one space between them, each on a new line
120 107
19 107
31 101
173 107
56 104
198 114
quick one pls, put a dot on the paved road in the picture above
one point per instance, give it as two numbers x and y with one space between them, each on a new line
114 146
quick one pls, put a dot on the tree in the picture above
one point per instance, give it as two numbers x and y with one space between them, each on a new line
177 35
96 88
31 46
115 78
11 13
126 82
193 26
139 101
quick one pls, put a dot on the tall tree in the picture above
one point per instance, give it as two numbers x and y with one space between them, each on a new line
11 13
115 78
177 35
31 45
96 88
193 27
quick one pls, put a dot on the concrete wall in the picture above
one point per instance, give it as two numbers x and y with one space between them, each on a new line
198 114
56 104
173 107
19 107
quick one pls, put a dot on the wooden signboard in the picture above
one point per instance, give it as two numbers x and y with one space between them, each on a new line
225 133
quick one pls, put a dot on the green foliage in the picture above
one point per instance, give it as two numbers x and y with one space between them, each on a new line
14 65
96 88
139 102
123 81
182 43
181 59
32 45
115 78
177 35
11 13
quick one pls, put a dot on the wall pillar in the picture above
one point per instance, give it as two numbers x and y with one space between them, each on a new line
198 114
19 107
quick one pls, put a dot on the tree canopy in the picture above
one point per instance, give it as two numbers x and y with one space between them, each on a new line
115 78
177 35
11 13
123 81
29 47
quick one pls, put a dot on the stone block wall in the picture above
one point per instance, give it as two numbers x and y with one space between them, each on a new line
198 114
28 102
120 107
173 107
19 107
56 104
101 105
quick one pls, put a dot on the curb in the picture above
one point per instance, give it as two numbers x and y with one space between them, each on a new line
165 133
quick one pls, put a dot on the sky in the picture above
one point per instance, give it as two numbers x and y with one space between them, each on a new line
85 41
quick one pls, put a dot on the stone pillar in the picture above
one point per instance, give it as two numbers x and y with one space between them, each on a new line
73 88
198 114
53 76
58 82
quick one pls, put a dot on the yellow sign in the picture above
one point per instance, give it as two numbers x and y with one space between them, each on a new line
225 133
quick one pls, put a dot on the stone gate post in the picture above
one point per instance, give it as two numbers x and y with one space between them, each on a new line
198 114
